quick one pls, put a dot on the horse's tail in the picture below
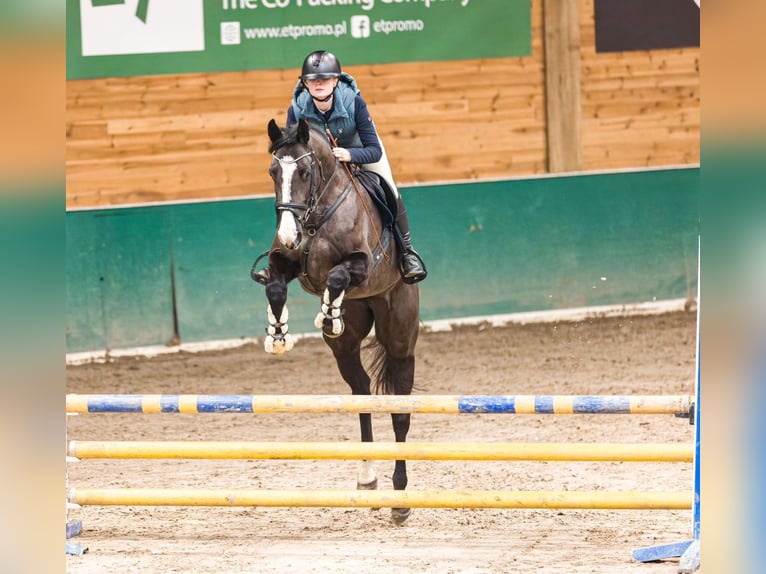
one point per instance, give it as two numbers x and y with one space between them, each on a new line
390 376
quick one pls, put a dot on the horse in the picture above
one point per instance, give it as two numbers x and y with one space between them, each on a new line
331 238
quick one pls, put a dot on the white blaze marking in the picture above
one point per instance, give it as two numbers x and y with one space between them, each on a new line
288 230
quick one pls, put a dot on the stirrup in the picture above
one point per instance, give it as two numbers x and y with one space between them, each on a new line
262 276
417 273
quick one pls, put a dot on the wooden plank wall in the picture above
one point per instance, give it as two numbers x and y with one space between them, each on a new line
639 109
203 136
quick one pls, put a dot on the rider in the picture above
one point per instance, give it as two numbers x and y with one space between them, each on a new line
329 98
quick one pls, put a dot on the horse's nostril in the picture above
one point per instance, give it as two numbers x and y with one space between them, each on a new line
293 243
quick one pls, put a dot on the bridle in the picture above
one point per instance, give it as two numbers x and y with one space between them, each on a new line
302 211
306 213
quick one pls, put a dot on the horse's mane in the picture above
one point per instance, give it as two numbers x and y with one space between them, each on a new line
290 137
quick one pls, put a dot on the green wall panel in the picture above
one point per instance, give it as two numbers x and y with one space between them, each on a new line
554 243
214 247
118 279
491 247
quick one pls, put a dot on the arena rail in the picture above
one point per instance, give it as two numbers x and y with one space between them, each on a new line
596 500
679 405
559 452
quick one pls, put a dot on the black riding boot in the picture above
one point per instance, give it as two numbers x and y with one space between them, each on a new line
411 266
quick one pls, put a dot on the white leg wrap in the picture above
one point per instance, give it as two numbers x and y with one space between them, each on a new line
339 301
331 310
278 341
272 318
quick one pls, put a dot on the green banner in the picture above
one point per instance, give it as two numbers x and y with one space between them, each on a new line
108 38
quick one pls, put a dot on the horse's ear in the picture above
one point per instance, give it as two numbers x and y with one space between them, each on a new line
274 132
303 132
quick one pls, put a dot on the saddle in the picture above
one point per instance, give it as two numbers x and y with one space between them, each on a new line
380 192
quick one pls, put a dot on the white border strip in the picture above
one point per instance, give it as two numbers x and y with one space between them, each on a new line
573 314
413 185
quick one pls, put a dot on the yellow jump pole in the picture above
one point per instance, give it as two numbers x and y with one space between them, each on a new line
597 500
643 452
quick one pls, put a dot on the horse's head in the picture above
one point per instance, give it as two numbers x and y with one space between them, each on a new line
302 159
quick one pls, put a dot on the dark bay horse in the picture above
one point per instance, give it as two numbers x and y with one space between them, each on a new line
331 238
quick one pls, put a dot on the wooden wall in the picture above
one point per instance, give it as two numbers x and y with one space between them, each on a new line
203 136
638 108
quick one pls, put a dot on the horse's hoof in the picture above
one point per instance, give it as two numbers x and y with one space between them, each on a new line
399 515
329 330
369 486
278 346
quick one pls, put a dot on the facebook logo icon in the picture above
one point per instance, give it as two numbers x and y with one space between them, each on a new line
360 26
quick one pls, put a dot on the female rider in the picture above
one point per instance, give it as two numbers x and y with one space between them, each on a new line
329 98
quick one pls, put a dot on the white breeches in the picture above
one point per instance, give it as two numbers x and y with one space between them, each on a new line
383 169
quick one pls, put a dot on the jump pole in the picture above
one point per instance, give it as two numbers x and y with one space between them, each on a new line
602 452
596 500
678 405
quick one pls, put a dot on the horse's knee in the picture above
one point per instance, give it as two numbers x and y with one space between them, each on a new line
276 293
338 279
353 272
358 269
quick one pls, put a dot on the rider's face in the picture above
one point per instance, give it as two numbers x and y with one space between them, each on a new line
321 87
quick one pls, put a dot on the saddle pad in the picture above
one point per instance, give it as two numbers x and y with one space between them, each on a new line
371 182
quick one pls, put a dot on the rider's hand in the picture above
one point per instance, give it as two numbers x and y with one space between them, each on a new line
342 154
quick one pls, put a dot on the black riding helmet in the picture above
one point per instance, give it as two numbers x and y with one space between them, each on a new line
319 65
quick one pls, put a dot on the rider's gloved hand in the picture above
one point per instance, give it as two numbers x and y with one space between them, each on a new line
342 154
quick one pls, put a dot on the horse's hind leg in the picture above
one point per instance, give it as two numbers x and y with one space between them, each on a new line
347 352
401 423
396 374
352 371
396 329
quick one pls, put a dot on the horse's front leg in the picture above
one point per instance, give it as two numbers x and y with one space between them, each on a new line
349 273
278 341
